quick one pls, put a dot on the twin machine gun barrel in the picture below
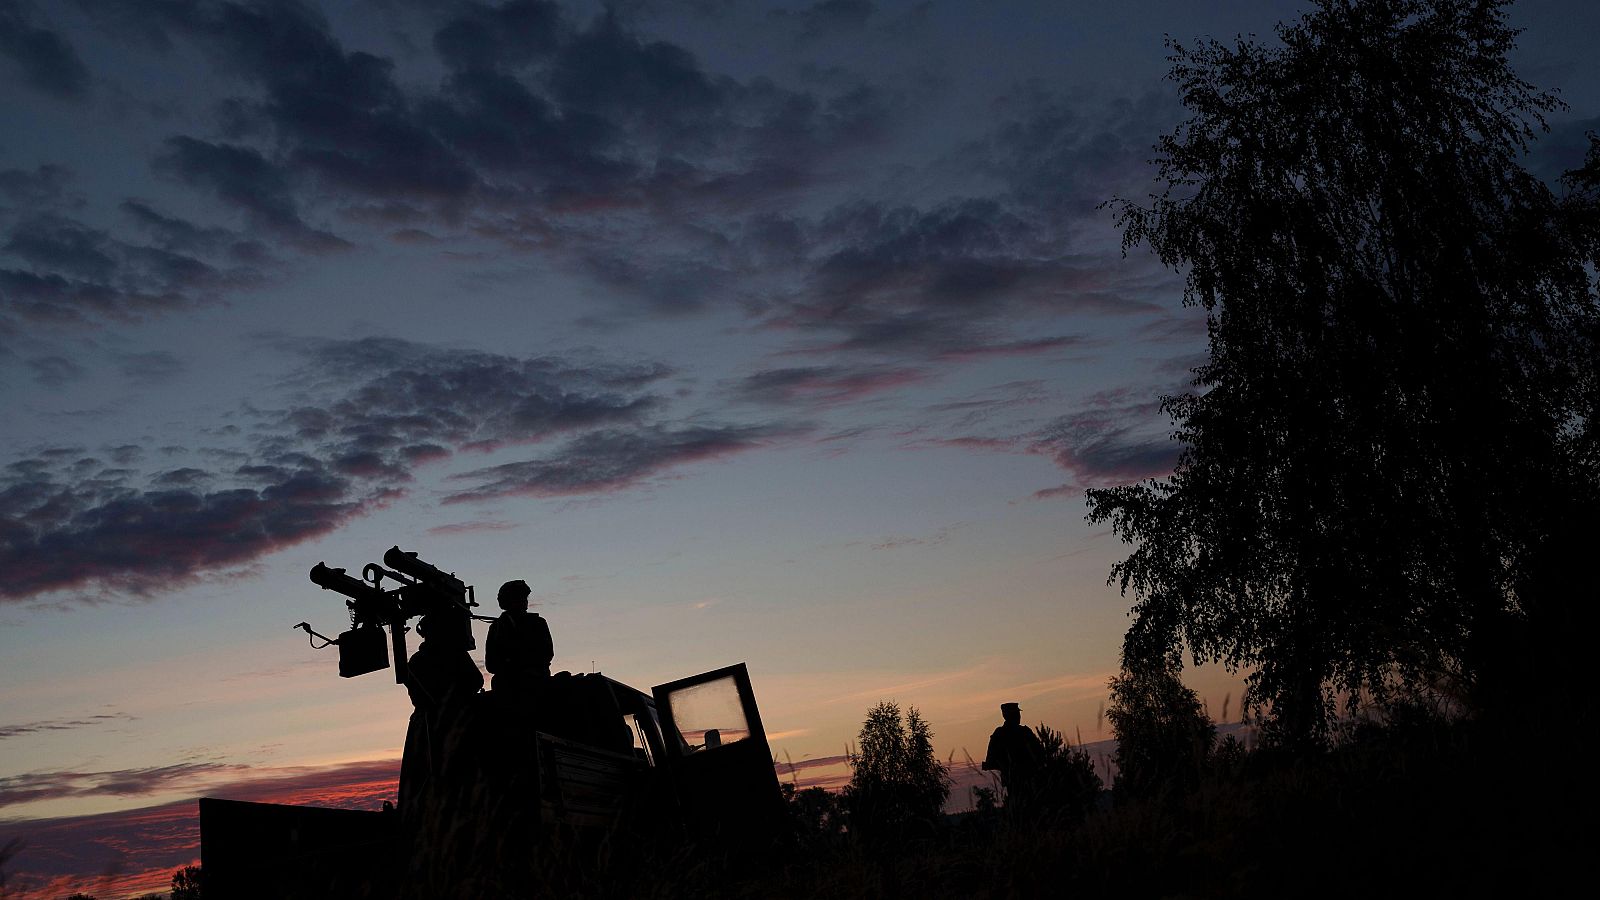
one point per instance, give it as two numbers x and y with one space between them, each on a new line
421 589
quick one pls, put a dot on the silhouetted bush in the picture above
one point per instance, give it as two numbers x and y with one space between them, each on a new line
187 883
1164 736
1068 787
897 785
815 814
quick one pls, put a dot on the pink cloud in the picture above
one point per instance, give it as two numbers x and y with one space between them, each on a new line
135 851
472 527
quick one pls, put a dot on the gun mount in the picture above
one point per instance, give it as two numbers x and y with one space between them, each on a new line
583 757
420 589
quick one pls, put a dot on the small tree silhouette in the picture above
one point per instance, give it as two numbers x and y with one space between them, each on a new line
896 780
1068 785
1164 736
186 883
816 813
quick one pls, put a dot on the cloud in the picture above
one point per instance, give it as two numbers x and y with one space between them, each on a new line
38 786
979 408
1065 491
1119 438
54 371
45 60
827 18
150 367
628 162
1115 437
483 36
597 118
366 414
948 283
55 270
925 540
135 851
42 187
72 527
823 385
658 180
1066 157
242 177
539 133
611 460
409 401
26 728
473 527
180 235
237 781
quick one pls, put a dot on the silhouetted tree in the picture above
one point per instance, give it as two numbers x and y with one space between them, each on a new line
1164 736
1389 468
985 802
1228 758
186 883
896 780
1067 784
814 812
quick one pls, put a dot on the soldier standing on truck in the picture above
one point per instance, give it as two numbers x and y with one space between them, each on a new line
1015 752
441 681
519 648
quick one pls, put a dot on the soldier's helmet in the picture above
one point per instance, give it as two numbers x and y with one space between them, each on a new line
513 592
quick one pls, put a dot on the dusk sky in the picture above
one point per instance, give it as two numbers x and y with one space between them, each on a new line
768 332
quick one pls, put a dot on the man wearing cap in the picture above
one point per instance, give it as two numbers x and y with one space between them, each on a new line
1014 752
519 648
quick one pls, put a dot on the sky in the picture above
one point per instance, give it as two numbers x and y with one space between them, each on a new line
781 333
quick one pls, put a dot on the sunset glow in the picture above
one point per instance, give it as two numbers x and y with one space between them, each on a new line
782 333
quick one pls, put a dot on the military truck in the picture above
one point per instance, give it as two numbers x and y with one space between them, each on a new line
687 763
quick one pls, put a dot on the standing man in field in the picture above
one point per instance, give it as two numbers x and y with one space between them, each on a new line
1014 752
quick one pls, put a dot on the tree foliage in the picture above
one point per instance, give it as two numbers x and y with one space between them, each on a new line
186 883
1164 737
896 780
1389 458
1067 785
815 814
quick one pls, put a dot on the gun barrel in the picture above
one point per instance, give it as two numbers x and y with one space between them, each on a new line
330 579
402 561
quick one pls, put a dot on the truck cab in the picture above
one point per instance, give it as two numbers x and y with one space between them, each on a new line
688 761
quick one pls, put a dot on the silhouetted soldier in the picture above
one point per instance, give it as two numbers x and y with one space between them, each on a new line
519 649
441 681
1014 752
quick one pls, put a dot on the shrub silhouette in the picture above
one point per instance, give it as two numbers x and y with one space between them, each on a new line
897 785
1164 736
1068 787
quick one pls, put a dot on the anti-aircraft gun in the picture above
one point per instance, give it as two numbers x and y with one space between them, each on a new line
591 758
421 589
